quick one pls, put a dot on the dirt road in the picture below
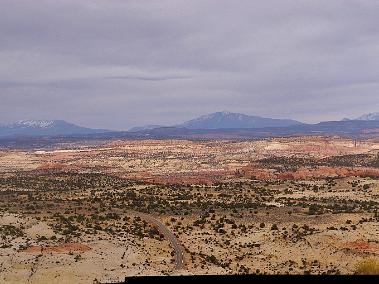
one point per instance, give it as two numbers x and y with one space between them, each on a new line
178 248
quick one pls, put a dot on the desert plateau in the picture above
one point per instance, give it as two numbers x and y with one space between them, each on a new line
299 205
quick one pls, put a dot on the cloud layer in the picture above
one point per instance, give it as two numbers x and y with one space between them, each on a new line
116 64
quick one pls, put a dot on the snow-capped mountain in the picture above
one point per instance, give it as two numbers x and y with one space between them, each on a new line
225 119
369 116
44 127
32 123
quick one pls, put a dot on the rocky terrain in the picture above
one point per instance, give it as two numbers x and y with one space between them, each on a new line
300 205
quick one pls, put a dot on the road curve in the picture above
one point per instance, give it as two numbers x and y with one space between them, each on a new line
178 248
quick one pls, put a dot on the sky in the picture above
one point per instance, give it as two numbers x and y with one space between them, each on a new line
117 63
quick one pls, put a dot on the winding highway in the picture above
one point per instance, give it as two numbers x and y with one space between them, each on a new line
178 248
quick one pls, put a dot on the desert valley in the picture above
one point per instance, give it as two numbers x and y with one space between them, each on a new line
80 213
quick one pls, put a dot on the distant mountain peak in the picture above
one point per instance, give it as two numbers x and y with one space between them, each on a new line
44 127
224 112
369 116
35 123
227 119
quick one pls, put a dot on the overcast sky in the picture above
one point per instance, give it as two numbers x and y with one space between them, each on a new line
117 63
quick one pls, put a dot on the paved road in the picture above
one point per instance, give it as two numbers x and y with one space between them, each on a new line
179 251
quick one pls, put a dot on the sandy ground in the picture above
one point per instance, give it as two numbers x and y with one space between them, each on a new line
104 260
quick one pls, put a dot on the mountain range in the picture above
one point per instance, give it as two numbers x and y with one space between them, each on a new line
226 120
219 124
230 120
374 116
370 116
44 127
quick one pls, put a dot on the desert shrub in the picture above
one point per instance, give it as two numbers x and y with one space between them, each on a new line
10 230
368 266
366 186
274 227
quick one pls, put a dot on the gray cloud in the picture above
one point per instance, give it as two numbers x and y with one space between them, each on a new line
116 64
